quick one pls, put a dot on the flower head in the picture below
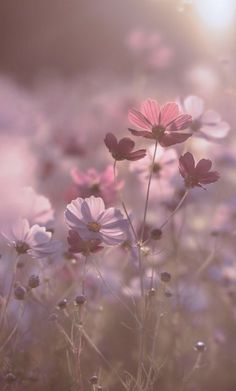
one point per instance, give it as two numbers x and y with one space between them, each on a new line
161 123
123 150
92 221
34 240
206 123
196 175
99 184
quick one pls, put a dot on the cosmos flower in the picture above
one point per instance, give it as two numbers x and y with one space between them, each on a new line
123 150
196 175
93 222
85 247
164 166
205 123
34 240
161 123
99 184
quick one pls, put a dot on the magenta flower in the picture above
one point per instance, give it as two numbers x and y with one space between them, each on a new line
92 221
160 123
196 175
99 184
123 150
85 247
206 123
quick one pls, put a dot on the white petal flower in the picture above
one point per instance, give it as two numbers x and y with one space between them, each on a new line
92 221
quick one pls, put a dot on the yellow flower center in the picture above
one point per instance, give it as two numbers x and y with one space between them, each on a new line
94 226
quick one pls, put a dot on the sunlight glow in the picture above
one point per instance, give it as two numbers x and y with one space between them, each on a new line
216 14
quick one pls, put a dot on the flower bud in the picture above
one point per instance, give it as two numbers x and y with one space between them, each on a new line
34 281
156 234
19 292
165 277
80 300
93 379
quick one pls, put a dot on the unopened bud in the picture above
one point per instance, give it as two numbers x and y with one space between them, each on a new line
200 346
34 281
156 234
80 300
165 276
62 304
19 292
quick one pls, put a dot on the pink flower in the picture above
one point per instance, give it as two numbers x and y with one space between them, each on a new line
206 123
196 175
85 247
160 123
93 222
123 150
35 240
164 166
100 184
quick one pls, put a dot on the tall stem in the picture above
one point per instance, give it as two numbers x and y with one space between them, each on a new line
148 192
175 210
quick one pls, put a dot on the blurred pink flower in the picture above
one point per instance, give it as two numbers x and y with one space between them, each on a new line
164 166
92 182
85 247
206 123
34 240
196 175
93 222
34 207
123 150
160 123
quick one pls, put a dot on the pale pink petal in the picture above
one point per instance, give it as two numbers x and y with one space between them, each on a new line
150 109
138 119
20 229
194 106
211 117
96 206
169 112
219 130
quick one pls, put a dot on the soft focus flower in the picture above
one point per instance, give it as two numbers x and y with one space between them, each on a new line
160 123
36 208
34 240
123 150
78 245
93 222
164 166
100 184
205 123
196 175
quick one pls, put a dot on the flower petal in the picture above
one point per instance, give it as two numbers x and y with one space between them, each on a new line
150 108
194 106
138 119
168 113
173 138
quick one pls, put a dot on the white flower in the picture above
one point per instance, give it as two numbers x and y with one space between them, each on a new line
207 123
35 240
92 221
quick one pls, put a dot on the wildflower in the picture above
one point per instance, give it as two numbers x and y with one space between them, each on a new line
35 240
160 123
206 123
98 184
164 166
93 222
123 150
196 175
78 245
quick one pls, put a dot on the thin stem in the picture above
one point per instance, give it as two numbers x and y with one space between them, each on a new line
123 204
148 192
175 210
